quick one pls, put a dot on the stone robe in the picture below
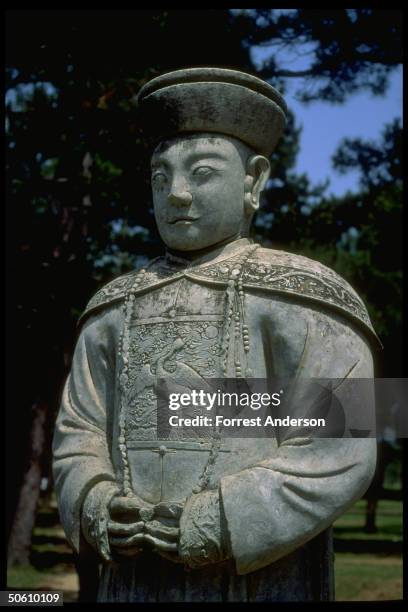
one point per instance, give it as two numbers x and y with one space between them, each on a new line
278 499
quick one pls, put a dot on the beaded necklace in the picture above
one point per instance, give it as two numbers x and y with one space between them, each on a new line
234 315
124 342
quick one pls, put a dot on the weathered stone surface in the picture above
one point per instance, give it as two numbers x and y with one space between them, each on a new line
213 100
213 518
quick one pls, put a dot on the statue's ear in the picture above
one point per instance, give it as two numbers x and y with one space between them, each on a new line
258 171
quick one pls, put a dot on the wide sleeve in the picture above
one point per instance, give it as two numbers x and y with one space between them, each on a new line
280 503
82 438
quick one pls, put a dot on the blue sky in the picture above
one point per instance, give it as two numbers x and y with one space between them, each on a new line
325 124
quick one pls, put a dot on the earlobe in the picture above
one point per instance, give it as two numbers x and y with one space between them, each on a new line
248 197
258 171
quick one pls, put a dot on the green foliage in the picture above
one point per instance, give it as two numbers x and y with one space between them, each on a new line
379 164
349 50
359 235
376 257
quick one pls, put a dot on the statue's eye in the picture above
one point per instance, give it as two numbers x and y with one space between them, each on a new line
159 178
203 171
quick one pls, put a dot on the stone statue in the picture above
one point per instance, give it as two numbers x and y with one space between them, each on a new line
222 519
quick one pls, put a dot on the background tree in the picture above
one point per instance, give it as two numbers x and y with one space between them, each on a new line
79 207
349 50
359 234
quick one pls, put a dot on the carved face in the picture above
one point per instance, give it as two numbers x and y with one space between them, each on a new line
198 190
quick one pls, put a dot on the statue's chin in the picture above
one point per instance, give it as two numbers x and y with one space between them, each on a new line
189 246
190 239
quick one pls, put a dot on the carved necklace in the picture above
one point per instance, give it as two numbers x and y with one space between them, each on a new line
231 351
234 312
124 342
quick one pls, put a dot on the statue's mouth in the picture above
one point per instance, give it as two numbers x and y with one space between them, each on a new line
182 220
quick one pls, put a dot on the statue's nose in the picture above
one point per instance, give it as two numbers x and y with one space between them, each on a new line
180 198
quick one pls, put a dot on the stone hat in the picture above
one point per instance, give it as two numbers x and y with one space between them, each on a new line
215 100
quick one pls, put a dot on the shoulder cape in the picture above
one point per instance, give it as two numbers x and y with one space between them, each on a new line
277 272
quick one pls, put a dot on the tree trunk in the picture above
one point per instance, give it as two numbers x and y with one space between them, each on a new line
20 537
371 512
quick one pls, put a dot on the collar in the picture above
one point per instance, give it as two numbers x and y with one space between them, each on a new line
216 254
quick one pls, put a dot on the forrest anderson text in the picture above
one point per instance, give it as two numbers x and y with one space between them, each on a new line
269 421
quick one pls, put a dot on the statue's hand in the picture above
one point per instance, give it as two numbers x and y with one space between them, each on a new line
134 523
163 531
203 532
95 517
126 524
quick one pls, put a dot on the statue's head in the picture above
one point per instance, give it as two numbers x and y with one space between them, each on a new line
206 188
212 131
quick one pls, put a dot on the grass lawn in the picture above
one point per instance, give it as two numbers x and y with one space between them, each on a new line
24 578
389 522
52 567
60 577
368 577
